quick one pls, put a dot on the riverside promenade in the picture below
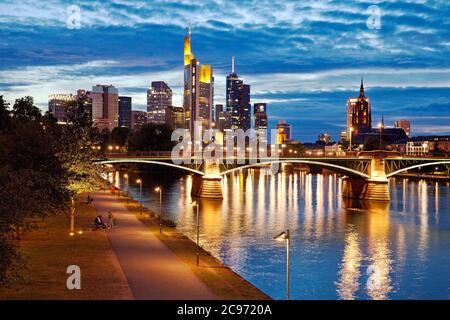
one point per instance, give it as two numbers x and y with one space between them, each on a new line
153 271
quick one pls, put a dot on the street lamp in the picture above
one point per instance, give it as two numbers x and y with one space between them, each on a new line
128 183
286 237
195 204
159 189
351 135
140 194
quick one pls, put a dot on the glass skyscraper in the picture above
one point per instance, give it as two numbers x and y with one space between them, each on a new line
238 101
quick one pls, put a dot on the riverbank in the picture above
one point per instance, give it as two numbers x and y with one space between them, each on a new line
50 249
220 279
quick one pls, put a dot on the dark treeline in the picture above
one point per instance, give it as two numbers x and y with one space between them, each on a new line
42 167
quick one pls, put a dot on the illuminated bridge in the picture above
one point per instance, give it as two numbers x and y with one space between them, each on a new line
365 175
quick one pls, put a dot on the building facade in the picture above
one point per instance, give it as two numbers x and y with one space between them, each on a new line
105 106
238 101
159 96
358 113
198 89
125 106
405 125
58 105
284 132
138 119
260 120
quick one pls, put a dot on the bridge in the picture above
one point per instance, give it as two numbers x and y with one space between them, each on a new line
366 175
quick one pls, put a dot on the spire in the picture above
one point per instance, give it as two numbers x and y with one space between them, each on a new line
232 64
361 89
189 29
382 121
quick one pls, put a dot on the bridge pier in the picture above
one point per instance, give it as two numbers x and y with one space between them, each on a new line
210 184
376 188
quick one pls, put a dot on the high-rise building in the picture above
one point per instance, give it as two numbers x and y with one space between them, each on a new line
284 132
176 117
198 89
260 120
405 125
238 101
125 112
358 113
105 106
159 96
138 119
206 98
58 104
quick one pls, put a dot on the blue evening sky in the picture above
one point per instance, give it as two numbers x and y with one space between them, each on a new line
304 58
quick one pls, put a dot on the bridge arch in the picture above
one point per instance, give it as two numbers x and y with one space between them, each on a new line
418 166
161 163
335 167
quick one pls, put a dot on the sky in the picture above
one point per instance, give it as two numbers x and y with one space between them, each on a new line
303 58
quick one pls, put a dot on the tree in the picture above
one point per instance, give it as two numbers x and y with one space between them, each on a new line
5 117
24 110
152 137
119 136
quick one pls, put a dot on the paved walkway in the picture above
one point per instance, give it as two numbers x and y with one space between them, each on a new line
153 271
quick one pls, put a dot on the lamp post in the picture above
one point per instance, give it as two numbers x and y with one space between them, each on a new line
381 127
140 194
195 204
286 237
128 183
351 136
159 189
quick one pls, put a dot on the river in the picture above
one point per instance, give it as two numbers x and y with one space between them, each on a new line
339 249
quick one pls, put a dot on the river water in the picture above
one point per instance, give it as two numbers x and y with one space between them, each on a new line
339 249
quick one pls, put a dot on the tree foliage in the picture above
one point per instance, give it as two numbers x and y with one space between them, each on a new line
152 137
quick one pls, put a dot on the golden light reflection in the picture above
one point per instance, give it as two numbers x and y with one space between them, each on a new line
350 267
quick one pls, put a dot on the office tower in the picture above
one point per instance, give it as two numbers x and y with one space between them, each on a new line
217 110
58 104
238 101
260 120
138 119
405 125
105 106
159 96
176 117
206 97
284 131
198 89
358 113
125 112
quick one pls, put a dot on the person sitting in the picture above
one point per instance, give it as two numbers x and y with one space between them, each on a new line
99 222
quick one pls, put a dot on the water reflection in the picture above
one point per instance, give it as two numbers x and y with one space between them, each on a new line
340 249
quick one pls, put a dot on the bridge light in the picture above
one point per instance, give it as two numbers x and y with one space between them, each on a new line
98 148
110 147
117 147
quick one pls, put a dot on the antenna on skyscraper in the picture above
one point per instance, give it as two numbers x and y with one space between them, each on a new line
232 64
189 28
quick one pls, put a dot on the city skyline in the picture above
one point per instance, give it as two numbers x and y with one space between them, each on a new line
293 62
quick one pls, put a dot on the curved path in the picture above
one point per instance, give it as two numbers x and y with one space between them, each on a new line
152 270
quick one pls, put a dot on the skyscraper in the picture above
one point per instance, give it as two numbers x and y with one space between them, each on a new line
159 96
260 120
358 113
58 104
138 119
405 125
238 101
125 112
105 106
198 89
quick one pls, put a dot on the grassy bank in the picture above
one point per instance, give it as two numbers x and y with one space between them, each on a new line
50 250
224 282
